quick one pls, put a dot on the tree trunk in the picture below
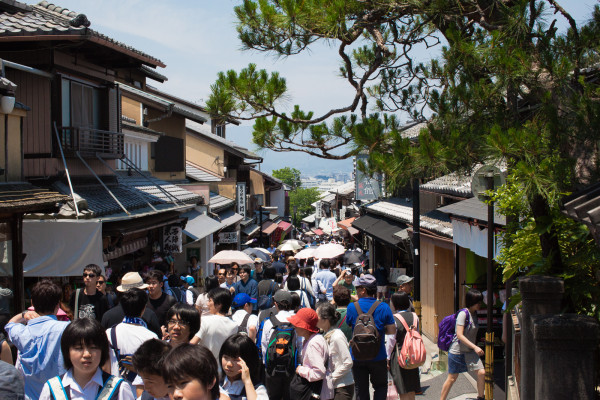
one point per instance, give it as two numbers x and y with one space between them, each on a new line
548 239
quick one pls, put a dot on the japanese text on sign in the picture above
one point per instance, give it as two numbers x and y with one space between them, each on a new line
172 239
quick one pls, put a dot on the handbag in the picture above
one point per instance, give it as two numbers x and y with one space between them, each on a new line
302 389
392 393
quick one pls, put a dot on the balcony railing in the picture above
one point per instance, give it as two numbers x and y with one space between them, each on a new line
91 142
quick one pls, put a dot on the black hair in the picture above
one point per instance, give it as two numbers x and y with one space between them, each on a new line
133 302
86 331
240 345
293 269
472 297
247 269
279 277
148 357
341 296
211 282
293 283
162 266
308 271
400 301
221 297
296 301
310 262
174 280
45 296
326 310
155 274
93 268
324 264
186 313
371 291
188 362
269 272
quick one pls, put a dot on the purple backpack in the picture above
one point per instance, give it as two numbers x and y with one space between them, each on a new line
447 330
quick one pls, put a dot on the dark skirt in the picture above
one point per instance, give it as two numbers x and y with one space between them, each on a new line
405 380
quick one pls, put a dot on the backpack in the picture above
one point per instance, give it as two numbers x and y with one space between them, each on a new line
266 300
261 325
243 328
195 293
412 354
177 293
108 391
282 354
447 330
366 341
311 298
126 369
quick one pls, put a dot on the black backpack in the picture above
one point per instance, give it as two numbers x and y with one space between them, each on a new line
366 341
178 293
195 293
282 354
243 328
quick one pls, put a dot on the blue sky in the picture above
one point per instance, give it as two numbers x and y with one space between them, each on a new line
196 39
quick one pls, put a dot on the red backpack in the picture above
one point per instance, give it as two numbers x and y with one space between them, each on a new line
412 354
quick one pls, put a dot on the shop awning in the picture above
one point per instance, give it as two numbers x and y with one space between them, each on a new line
318 231
229 218
200 225
285 226
380 228
269 227
347 225
251 229
61 247
126 248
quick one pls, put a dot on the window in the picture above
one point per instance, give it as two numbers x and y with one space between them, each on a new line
218 129
137 152
81 105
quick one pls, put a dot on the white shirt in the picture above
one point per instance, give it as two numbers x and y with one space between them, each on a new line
129 338
339 364
189 297
305 284
235 388
238 318
214 329
89 391
202 302
282 316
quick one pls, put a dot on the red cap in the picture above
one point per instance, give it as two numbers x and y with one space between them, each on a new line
305 318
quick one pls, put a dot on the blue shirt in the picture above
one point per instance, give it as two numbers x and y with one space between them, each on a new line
382 315
325 278
38 343
250 288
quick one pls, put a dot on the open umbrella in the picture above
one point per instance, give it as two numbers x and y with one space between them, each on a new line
267 252
254 253
329 250
231 256
353 257
305 253
296 244
287 247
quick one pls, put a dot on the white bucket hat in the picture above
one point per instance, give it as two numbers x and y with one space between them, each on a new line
131 280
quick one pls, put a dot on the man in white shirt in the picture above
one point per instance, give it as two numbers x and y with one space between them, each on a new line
243 317
126 337
215 328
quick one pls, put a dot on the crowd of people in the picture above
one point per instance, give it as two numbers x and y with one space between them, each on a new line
283 329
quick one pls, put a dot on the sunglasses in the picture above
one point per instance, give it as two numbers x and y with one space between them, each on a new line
89 275
101 282
221 274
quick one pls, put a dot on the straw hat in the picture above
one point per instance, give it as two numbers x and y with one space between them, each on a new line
131 280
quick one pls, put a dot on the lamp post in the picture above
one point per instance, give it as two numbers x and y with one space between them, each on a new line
295 222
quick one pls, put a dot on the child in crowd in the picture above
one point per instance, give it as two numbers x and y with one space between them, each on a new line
308 381
84 347
241 365
147 362
191 373
183 321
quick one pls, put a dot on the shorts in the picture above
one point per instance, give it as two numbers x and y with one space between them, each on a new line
381 289
458 363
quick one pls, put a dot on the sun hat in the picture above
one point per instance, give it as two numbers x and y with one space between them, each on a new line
402 279
366 281
305 318
241 299
282 296
258 260
131 280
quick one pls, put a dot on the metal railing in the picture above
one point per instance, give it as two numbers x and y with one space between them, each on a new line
90 142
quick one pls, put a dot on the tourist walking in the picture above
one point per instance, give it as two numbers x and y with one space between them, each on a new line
89 302
183 321
241 366
464 354
339 384
192 372
323 282
147 361
158 301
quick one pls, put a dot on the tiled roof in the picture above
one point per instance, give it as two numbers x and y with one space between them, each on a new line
200 174
401 210
219 203
453 184
584 206
181 109
140 128
24 197
153 74
412 131
345 189
48 19
159 189
204 131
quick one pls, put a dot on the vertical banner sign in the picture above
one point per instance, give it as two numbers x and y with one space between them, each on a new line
172 239
367 187
318 213
241 199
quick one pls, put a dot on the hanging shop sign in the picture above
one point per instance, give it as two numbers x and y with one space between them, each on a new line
241 198
172 239
228 237
367 187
